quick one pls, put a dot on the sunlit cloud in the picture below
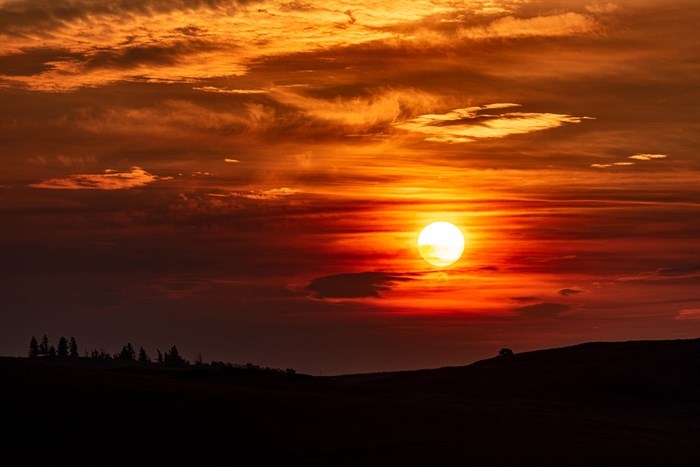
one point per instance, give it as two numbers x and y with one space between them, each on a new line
264 195
189 41
109 180
231 161
566 24
612 164
471 123
381 108
636 157
229 91
688 314
648 157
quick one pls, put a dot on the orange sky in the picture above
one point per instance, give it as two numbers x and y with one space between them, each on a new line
248 179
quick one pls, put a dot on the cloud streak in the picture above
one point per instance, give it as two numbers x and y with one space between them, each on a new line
109 180
471 123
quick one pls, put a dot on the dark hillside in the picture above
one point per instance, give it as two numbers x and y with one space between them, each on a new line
630 403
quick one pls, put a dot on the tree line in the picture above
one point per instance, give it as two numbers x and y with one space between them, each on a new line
68 348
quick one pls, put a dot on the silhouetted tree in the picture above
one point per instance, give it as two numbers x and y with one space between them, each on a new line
127 353
173 357
44 346
505 353
506 356
199 361
52 352
62 347
73 348
143 356
33 348
160 356
101 354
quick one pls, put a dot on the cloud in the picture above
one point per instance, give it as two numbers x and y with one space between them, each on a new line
271 194
636 157
548 259
613 164
685 271
570 291
361 113
688 314
231 161
565 24
471 123
354 285
229 91
109 180
648 157
543 309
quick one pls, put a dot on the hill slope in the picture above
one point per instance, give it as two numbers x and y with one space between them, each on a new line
628 403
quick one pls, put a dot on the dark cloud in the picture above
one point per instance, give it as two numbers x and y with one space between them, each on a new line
543 309
354 285
22 17
684 271
34 60
158 54
675 271
569 291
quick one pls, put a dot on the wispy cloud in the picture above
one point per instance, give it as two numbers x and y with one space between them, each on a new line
648 157
636 157
471 123
109 180
229 91
271 194
688 314
684 271
612 164
565 24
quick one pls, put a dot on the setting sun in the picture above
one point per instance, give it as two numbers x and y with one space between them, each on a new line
441 243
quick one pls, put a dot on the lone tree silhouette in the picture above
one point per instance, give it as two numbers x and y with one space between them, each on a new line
73 348
506 356
505 353
62 347
33 348
143 356
44 346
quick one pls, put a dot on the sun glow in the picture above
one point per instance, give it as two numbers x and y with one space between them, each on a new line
441 244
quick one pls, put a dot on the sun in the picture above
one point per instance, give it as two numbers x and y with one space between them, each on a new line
441 243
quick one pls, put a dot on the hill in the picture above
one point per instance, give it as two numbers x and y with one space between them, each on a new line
624 403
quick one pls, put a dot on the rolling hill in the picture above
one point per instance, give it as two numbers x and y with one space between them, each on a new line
618 403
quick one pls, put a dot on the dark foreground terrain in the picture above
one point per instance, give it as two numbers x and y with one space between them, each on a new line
597 404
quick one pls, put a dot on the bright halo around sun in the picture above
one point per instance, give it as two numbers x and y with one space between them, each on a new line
441 243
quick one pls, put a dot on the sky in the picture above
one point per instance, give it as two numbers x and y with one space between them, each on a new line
248 179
